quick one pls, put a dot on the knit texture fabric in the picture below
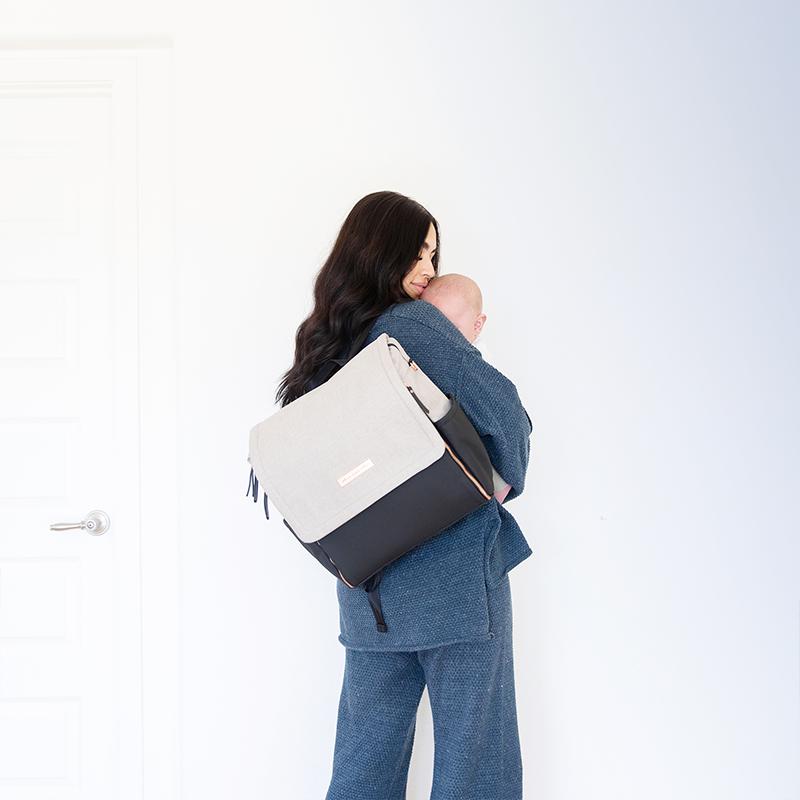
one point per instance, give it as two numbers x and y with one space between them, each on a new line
437 593
472 694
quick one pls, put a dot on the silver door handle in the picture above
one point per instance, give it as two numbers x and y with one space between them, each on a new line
96 523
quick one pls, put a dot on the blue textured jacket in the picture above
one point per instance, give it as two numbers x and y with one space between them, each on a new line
437 593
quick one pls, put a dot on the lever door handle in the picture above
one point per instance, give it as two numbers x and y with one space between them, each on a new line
96 522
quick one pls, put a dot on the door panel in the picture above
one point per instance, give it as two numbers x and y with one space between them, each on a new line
70 605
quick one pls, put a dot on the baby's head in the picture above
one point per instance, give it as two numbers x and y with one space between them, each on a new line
459 299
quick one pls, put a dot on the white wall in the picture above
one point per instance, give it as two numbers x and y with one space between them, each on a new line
621 179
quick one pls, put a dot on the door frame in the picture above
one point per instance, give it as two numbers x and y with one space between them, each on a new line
158 360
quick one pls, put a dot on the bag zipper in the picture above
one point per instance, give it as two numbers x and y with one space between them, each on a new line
467 472
421 404
340 572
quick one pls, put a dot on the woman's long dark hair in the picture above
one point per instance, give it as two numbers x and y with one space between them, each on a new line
377 245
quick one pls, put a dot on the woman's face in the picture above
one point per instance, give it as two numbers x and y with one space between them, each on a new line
422 270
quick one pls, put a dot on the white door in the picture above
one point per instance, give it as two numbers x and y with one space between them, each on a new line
71 668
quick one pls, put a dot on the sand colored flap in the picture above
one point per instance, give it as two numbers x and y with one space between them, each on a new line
338 449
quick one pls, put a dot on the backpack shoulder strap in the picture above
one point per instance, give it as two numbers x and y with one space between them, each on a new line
355 348
332 365
370 586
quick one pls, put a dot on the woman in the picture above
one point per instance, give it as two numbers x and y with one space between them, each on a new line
447 602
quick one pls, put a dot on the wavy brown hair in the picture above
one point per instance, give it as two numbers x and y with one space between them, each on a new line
377 245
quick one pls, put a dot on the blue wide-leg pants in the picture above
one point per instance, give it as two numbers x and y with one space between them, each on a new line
471 689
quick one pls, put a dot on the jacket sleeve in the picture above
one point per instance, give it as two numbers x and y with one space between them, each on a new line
491 402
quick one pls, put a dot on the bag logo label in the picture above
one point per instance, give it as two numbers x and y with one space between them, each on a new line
355 472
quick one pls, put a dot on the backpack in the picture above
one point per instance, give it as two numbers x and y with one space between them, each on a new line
370 462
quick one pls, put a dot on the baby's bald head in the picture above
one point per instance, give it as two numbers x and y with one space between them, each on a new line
459 298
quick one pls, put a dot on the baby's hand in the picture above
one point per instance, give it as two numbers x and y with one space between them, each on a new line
500 494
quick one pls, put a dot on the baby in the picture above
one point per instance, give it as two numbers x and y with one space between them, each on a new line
459 299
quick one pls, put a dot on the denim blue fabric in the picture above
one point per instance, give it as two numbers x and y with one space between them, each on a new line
437 593
472 694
